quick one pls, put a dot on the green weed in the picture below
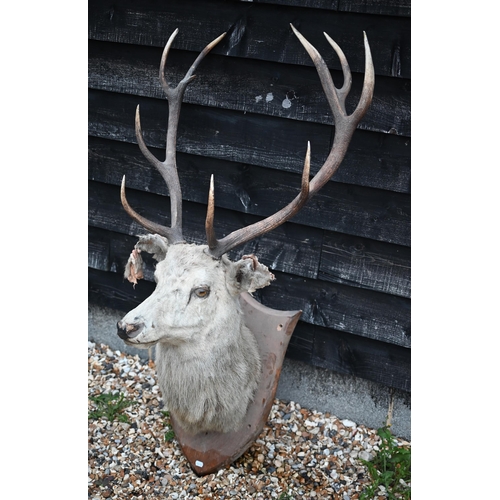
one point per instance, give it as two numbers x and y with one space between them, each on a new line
110 406
391 468
169 435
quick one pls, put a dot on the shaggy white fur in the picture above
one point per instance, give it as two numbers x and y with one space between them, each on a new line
207 359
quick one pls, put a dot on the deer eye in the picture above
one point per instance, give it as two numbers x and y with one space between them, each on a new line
202 292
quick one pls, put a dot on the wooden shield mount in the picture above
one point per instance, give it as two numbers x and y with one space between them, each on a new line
208 452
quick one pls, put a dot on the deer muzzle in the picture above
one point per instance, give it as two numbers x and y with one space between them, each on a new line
127 331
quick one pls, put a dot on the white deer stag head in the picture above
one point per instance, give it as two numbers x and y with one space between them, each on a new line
207 359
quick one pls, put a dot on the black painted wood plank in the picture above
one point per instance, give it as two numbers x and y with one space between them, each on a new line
253 31
301 343
344 353
385 363
372 160
366 263
108 289
109 251
289 248
338 207
98 249
361 312
269 88
384 7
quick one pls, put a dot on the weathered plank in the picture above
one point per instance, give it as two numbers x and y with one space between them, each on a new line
274 89
108 251
387 7
98 249
342 352
253 31
112 290
366 263
369 314
385 363
372 160
293 249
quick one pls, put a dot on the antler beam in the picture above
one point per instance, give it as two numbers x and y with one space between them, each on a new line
167 168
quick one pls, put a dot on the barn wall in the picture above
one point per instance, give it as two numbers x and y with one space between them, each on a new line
345 258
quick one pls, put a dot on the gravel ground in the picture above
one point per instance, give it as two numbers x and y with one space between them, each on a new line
299 454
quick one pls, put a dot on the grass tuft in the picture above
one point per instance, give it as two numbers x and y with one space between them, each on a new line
391 469
110 406
169 435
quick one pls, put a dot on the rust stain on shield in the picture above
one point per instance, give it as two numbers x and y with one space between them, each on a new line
208 452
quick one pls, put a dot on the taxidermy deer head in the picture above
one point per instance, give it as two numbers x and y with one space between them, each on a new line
207 359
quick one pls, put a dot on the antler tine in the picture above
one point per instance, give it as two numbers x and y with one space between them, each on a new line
209 221
342 93
368 83
345 125
168 168
217 248
153 227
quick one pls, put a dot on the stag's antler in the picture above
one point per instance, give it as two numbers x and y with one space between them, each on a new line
345 125
167 168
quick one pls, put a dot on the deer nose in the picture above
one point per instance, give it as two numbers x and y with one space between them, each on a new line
128 331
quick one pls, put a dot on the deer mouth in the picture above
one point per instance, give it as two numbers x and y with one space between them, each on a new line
141 345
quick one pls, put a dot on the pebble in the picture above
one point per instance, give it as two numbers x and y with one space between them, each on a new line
348 423
365 455
299 454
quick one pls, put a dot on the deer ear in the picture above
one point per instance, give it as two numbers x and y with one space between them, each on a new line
151 243
248 274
